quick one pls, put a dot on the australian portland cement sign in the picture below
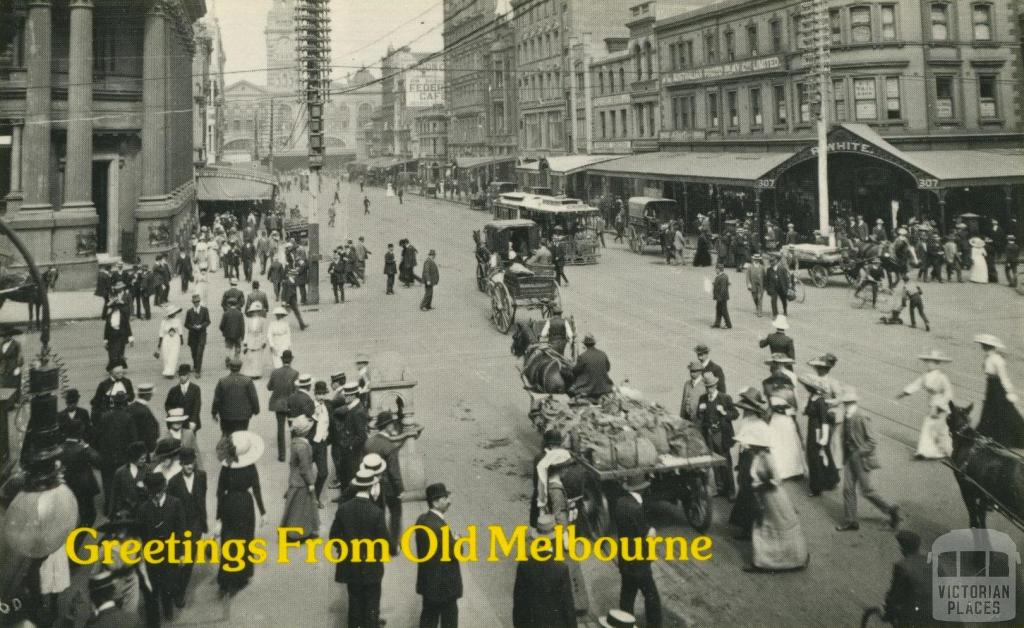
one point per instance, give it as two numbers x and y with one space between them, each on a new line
727 70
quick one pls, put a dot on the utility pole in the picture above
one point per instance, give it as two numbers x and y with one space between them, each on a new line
271 151
313 39
815 39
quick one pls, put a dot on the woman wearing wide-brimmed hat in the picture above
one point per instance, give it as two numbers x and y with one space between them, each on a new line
237 488
300 504
777 538
822 474
1000 413
172 337
934 441
279 335
560 500
744 510
254 343
979 263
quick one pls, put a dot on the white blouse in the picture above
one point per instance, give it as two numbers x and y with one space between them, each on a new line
938 387
995 364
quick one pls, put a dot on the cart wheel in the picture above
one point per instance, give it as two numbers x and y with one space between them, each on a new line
481 278
634 242
851 277
819 275
800 289
505 312
698 505
596 512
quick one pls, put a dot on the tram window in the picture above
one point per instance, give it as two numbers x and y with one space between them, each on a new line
972 564
998 565
947 565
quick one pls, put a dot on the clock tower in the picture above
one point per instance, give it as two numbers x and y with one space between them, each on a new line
282 60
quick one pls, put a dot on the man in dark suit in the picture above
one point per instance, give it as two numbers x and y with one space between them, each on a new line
281 386
117 329
115 431
859 452
349 425
189 487
125 491
632 526
186 395
715 414
542 594
591 371
778 341
704 357
290 296
232 295
359 518
234 400
248 257
146 426
197 319
72 412
430 279
438 581
257 296
161 516
232 326
776 283
909 600
116 382
161 280
720 293
78 460
301 401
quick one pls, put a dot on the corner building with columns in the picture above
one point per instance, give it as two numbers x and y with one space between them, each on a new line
96 115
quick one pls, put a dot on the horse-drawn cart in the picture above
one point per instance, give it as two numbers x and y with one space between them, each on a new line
510 290
822 262
678 472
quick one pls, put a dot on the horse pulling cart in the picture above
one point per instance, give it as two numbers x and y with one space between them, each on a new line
680 476
510 291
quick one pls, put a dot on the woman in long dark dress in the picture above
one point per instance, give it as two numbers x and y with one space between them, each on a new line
237 487
821 469
703 255
1000 417
407 267
746 507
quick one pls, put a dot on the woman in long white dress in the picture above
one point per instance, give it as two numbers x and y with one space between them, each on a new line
279 335
254 346
201 247
171 339
979 264
786 447
935 441
213 254
202 284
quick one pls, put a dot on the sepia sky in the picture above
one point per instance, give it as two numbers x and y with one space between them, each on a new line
360 33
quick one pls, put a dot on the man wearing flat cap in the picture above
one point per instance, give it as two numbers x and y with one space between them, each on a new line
693 389
438 581
234 399
160 517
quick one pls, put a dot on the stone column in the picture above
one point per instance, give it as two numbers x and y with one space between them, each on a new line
15 160
78 163
36 137
154 102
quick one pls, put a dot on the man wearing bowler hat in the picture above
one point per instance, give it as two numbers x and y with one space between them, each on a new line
186 396
197 319
360 519
349 426
631 524
693 389
591 371
117 330
430 278
438 581
161 516
281 386
720 293
703 353
715 414
189 487
234 399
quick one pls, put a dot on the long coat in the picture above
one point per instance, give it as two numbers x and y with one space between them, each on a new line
189 401
720 287
281 386
631 523
235 399
359 518
146 426
193 503
436 580
591 371
776 280
542 595
430 275
160 522
779 342
115 431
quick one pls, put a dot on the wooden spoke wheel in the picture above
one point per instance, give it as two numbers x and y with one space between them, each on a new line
636 243
595 511
697 504
819 275
800 290
504 308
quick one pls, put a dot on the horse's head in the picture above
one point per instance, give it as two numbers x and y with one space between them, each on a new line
521 339
959 421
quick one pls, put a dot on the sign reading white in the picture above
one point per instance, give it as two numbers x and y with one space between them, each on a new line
724 70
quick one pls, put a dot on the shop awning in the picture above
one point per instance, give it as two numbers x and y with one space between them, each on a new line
568 164
383 163
955 168
721 168
218 183
477 162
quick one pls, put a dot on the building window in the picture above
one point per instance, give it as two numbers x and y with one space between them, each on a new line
688 60
105 35
710 50
944 105
803 95
860 24
604 125
940 22
888 22
836 26
752 39
600 82
689 112
713 111
756 118
865 100
638 63
622 78
794 31
982 18
672 57
638 114
730 46
611 114
839 100
779 94
652 129
987 87
623 127
731 101
776 30
892 98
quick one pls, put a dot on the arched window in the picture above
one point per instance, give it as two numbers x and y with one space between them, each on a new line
637 62
622 78
649 53
343 116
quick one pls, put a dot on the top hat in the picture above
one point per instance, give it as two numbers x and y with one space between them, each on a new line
436 491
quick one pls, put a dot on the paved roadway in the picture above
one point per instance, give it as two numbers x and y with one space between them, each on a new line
647 317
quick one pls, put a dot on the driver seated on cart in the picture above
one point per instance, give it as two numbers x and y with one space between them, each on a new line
542 256
591 372
557 331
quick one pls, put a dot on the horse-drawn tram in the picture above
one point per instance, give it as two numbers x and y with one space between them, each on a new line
569 223
509 283
626 436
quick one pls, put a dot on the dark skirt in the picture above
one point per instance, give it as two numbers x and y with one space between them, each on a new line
822 471
300 511
745 508
703 255
1000 419
238 521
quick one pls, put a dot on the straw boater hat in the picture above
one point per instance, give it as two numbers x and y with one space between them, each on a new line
176 415
780 322
755 434
934 356
255 306
280 311
989 340
374 464
779 358
365 479
248 448
617 618
172 310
